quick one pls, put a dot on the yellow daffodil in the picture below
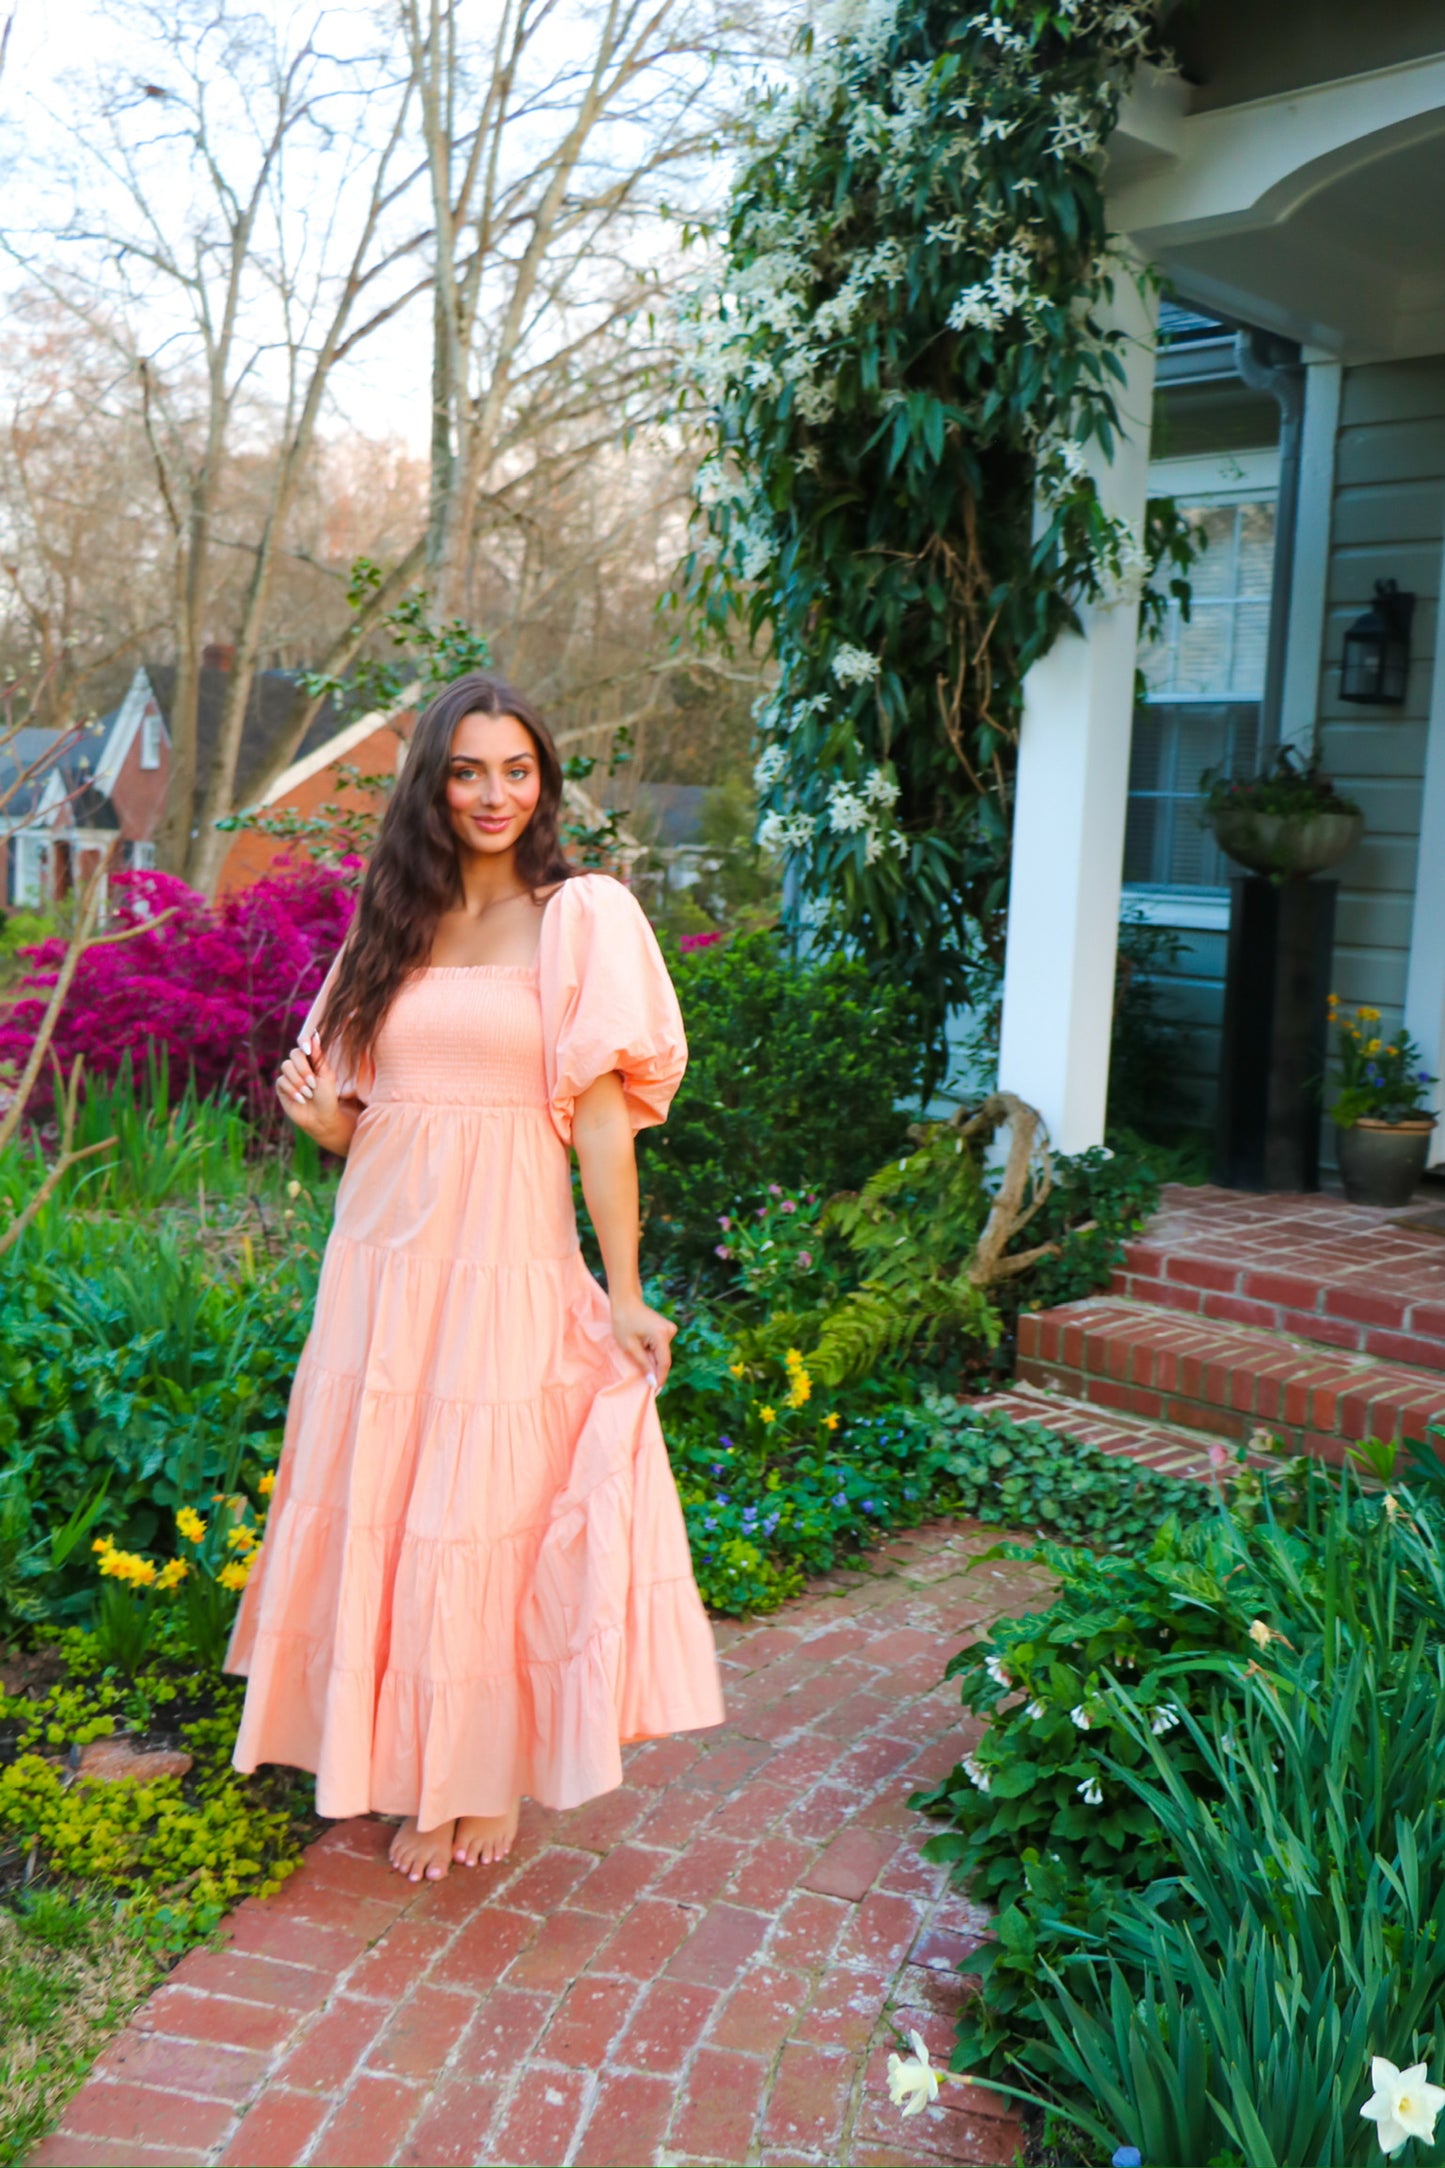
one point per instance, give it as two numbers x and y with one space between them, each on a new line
831 1422
1372 1046
801 1389
103 1544
128 1566
267 1483
1368 1016
172 1573
1392 1050
768 1415
235 1573
190 1524
794 1358
738 1369
241 1539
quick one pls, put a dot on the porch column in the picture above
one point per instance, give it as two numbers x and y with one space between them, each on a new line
1425 979
1068 830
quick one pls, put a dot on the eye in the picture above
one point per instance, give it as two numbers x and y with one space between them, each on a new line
519 775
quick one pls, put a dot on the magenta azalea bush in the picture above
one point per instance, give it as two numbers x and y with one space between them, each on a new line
217 990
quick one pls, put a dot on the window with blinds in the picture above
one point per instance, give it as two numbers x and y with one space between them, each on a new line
1203 682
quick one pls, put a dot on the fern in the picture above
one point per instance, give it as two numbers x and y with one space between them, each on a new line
879 1320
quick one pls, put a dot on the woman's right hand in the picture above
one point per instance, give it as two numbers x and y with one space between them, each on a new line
309 1096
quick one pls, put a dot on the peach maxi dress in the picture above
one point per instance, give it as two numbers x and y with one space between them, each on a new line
475 1581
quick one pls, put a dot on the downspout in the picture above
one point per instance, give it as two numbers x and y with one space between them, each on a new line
1271 364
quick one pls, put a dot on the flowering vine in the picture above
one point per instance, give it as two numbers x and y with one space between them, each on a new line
905 359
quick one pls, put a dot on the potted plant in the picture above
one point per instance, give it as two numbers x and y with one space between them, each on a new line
1289 821
1382 1125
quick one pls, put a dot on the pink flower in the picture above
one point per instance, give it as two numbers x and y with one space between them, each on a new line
775 1189
722 1250
787 1205
689 941
725 1223
805 1259
1218 1456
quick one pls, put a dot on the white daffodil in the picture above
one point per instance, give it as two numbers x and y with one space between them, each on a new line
1403 2104
912 2083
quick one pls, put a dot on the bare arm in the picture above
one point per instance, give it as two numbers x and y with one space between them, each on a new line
306 1088
602 1136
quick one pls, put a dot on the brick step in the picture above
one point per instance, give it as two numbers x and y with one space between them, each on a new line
1167 1448
1207 1375
1373 1288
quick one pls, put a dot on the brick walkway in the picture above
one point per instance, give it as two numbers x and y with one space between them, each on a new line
700 1967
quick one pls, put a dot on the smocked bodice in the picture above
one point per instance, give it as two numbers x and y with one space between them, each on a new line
469 1036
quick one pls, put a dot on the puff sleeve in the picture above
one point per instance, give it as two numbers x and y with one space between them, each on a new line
353 1080
607 1003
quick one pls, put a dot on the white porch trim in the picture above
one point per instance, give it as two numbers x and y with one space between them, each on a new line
1304 651
333 749
1068 831
1425 977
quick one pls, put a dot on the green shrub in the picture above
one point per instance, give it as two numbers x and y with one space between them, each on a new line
797 1073
134 1378
1206 1706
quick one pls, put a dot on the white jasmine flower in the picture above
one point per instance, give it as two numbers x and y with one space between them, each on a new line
768 766
855 666
1091 1792
772 831
798 831
912 2085
1403 2105
846 810
879 788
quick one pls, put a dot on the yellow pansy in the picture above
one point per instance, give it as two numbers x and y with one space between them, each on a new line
768 1415
190 1524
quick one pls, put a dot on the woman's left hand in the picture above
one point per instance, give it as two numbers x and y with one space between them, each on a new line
645 1335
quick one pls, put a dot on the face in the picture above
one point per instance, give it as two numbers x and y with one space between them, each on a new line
493 782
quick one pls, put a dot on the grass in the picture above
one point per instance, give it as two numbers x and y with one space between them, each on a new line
71 1971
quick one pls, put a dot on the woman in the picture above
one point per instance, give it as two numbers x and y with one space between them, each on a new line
475 1581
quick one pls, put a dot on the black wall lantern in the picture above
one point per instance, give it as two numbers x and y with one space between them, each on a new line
1376 662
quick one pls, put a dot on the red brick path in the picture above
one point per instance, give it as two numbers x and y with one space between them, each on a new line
1322 1322
705 1966
1345 1275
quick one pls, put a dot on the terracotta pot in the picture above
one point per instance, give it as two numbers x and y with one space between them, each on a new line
1381 1162
1291 844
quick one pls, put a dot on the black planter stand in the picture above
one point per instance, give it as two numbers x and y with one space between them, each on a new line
1272 1059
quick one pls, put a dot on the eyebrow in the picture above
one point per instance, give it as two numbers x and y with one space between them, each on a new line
474 760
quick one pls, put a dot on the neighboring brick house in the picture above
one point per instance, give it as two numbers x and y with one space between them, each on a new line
85 793
373 745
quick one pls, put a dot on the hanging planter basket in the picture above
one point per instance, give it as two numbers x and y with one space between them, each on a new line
1291 846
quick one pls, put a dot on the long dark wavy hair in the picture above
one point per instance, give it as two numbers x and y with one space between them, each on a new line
415 872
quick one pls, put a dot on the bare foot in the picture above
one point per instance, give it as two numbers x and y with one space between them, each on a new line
422 1854
485 1838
